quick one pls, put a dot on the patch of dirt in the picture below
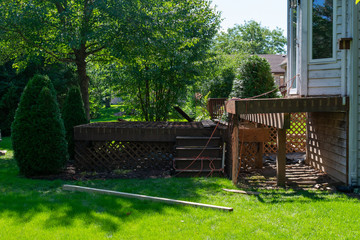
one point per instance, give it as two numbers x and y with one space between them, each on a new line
298 176
70 173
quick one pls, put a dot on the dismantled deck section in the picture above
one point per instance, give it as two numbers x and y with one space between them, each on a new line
139 146
274 112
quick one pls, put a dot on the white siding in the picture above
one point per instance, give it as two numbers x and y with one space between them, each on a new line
325 78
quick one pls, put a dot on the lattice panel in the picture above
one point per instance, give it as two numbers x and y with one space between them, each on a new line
248 153
295 136
108 156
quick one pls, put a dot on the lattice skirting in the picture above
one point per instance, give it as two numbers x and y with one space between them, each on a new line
295 136
111 155
248 154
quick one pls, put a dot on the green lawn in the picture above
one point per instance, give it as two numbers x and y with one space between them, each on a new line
39 209
107 115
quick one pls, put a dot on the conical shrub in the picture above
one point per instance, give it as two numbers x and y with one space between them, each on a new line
73 114
38 133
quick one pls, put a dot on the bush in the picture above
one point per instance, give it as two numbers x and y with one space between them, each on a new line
38 133
220 86
73 115
254 79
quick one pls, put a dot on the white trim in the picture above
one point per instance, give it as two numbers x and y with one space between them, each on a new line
302 82
354 100
323 60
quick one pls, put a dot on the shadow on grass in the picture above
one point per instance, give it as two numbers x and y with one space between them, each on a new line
22 200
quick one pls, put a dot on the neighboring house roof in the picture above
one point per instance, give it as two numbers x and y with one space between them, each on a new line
275 61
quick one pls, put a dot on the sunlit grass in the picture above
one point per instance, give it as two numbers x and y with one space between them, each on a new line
40 209
107 115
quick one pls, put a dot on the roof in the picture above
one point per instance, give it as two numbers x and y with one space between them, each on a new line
275 61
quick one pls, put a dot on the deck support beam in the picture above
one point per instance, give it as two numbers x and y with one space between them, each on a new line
235 148
281 157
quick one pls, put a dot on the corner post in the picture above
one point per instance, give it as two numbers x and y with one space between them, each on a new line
235 148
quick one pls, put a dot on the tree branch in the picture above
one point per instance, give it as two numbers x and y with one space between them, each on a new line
94 51
68 60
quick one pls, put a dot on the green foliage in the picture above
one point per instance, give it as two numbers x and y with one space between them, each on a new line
38 133
171 56
73 114
13 81
250 38
254 79
201 110
8 105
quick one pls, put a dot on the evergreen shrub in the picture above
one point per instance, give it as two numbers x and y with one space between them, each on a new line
73 113
37 132
255 78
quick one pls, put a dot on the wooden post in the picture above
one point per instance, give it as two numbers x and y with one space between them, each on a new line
281 157
235 148
259 156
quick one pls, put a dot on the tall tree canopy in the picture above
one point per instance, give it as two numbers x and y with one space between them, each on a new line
250 38
133 31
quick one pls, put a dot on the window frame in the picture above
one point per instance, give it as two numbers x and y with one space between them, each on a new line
310 27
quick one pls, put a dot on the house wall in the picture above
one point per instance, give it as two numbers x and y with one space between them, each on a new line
327 144
324 78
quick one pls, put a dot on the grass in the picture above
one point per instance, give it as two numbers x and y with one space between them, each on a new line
107 115
39 209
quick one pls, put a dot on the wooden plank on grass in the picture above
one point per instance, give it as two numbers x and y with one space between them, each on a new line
241 191
143 197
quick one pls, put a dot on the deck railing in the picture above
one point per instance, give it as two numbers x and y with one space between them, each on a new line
216 107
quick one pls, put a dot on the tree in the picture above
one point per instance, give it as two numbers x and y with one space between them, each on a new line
81 31
38 133
170 57
73 115
71 31
13 81
254 79
250 38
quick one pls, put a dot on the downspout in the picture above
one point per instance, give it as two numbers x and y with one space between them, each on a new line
289 53
344 52
354 98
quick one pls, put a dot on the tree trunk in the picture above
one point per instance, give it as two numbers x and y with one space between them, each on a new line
83 78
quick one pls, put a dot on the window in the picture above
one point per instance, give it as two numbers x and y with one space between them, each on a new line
322 29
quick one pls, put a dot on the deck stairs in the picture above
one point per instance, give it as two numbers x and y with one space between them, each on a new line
198 156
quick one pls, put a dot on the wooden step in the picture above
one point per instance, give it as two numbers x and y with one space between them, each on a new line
197 141
198 164
194 151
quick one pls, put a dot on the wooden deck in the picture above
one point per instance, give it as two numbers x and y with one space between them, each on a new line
143 131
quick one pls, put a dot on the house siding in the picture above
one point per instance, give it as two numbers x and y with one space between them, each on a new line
327 144
325 78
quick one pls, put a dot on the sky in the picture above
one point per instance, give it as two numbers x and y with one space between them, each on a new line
270 13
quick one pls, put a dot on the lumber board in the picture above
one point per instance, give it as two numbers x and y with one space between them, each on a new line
254 134
287 105
241 191
143 197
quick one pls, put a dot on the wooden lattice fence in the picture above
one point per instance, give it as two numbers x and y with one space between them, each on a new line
111 155
295 136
